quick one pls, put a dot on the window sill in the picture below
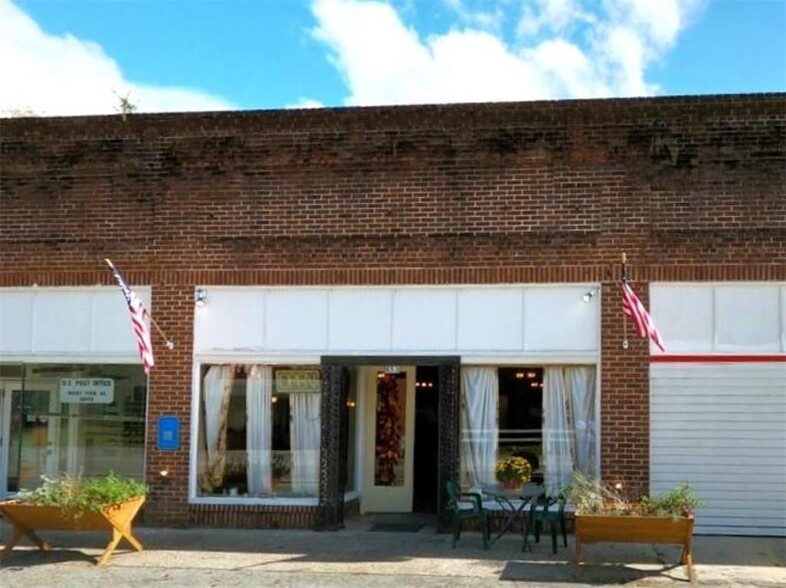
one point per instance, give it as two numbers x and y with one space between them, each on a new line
254 501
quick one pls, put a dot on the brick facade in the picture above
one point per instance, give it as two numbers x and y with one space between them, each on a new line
691 188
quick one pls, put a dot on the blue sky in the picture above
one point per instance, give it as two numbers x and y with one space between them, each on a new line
76 57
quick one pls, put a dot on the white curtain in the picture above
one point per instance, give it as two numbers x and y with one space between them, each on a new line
304 439
217 391
479 428
259 392
557 432
569 424
582 404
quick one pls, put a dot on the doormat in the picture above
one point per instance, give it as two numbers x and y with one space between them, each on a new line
395 527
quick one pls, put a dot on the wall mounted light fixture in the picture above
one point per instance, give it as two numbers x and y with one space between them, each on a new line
200 297
589 295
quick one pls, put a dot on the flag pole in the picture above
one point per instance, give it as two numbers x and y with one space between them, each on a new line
624 281
624 267
169 344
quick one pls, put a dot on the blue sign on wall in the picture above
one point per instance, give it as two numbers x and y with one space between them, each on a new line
168 433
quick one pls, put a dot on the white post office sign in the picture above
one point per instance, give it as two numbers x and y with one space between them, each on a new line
87 390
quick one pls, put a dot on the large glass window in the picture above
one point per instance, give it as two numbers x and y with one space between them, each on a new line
521 416
546 415
259 432
260 429
72 419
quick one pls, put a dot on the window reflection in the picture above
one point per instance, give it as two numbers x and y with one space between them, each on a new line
73 419
260 431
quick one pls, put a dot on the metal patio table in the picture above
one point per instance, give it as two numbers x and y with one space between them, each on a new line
513 503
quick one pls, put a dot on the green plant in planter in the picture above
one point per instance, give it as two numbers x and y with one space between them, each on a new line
513 471
75 495
592 497
679 501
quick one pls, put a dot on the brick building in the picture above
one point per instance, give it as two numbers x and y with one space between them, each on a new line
367 302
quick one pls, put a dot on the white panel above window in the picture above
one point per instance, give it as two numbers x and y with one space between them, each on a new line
747 319
56 322
684 316
231 319
558 319
57 313
16 321
111 332
424 319
479 321
296 319
720 318
360 319
490 319
783 318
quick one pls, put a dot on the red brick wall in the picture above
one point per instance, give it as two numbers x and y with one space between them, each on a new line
691 188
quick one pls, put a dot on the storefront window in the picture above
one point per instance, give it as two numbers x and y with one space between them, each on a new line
72 419
521 416
546 415
259 432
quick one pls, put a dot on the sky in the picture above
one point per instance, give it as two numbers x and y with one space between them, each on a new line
72 57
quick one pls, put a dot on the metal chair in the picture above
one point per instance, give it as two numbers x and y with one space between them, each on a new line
543 513
466 506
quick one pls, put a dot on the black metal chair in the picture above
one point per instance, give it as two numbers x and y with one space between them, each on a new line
465 506
550 510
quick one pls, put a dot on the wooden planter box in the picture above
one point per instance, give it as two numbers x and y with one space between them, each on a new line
26 519
635 529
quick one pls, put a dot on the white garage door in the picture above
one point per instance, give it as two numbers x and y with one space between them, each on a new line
722 427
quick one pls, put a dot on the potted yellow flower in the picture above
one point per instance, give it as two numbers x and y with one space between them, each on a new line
513 472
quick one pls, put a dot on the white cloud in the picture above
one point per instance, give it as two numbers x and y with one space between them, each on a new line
487 16
555 16
567 69
306 103
53 75
656 22
373 49
623 52
556 49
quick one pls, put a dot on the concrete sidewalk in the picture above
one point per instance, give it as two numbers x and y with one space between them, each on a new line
358 556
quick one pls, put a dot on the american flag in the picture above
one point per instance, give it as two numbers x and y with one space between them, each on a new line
632 306
139 319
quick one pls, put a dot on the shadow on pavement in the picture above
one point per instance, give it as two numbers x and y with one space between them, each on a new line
540 572
357 546
28 556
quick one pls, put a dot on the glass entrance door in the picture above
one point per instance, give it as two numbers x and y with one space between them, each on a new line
31 435
390 439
